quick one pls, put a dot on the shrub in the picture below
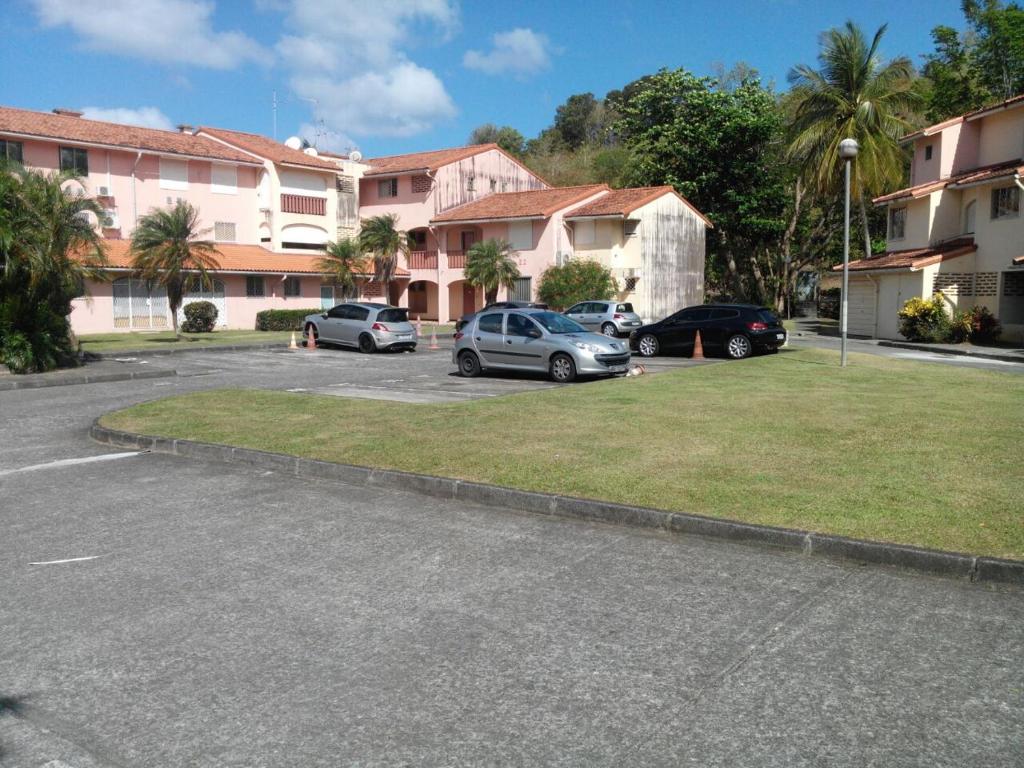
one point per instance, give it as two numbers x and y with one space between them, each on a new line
283 319
925 320
200 317
16 353
985 327
578 280
959 327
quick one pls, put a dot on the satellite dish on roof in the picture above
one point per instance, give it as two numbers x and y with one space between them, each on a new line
293 142
310 151
355 155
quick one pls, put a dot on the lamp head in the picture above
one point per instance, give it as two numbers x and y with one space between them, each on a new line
848 149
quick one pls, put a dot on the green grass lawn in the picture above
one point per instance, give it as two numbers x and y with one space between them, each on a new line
114 342
887 450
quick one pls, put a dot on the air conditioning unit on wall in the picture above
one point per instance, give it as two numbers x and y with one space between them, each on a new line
110 220
103 192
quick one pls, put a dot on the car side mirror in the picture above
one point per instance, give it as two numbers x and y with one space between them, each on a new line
534 333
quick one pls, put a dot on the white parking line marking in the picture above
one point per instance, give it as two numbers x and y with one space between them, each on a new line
70 462
68 560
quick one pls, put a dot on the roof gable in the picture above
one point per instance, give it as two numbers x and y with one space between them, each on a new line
623 202
532 204
423 161
268 149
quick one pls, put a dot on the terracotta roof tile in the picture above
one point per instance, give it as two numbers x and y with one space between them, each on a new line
1013 101
267 148
914 258
622 202
538 203
78 129
973 176
423 161
235 258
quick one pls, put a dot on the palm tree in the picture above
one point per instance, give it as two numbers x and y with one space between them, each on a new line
381 238
166 248
489 265
342 264
48 248
853 94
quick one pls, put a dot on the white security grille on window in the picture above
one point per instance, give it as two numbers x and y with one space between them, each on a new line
520 235
292 287
387 188
224 179
524 289
224 232
173 174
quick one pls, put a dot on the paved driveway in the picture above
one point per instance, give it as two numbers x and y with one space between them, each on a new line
239 618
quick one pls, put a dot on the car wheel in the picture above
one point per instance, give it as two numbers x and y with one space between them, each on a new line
469 365
366 344
648 345
738 347
562 369
311 331
608 329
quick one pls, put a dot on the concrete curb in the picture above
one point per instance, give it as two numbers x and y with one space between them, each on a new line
948 564
18 382
165 352
946 351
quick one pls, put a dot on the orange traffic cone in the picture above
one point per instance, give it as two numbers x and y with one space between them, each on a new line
292 344
419 326
433 338
310 341
698 348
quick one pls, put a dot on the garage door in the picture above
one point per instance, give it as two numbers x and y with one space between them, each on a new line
861 309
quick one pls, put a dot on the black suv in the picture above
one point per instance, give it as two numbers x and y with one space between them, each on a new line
735 330
462 321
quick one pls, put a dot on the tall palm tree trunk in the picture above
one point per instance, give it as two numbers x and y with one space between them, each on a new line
864 223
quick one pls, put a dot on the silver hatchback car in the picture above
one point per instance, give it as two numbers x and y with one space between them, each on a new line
536 340
612 318
367 326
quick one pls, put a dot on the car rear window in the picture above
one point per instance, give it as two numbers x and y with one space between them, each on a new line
393 316
624 307
490 324
767 316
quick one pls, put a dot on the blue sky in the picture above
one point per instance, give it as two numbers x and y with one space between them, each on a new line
393 76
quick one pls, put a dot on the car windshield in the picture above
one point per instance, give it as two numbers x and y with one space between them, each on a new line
393 316
555 323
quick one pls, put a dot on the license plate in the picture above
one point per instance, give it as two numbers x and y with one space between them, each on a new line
780 336
618 369
633 322
405 336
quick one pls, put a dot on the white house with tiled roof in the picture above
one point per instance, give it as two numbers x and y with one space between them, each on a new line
956 229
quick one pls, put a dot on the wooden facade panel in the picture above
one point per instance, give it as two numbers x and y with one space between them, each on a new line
478 176
672 257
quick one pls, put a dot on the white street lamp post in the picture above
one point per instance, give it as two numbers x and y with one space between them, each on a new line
847 150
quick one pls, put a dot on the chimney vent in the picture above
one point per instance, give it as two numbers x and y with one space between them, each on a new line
67 112
184 128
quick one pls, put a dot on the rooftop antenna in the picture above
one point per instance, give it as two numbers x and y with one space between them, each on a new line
275 114
319 126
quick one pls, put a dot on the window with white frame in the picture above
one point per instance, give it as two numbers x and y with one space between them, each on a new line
584 232
292 287
1005 202
224 232
173 174
224 179
520 235
387 188
897 223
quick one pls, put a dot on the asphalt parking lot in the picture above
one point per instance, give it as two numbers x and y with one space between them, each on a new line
163 611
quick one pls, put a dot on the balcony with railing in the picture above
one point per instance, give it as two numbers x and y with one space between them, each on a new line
422 259
306 204
456 259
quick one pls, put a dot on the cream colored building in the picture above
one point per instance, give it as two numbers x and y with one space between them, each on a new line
957 229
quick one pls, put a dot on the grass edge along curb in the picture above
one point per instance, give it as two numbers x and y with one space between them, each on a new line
18 382
949 564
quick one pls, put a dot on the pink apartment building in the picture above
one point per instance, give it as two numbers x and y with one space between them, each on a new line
272 207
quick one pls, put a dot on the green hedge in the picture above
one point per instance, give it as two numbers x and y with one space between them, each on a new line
283 319
200 317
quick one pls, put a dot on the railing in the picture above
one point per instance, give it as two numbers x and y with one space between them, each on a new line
422 259
456 259
313 206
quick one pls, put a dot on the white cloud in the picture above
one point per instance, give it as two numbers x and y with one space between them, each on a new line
519 51
353 60
166 31
147 117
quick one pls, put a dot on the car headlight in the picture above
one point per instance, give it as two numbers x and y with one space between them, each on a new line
592 348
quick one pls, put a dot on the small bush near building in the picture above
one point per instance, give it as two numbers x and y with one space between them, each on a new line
828 303
200 317
283 319
925 320
985 327
578 280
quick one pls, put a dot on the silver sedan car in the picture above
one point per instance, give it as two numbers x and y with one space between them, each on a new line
536 340
366 326
612 318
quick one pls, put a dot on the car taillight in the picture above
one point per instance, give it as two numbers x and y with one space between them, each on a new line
757 326
380 327
459 335
617 316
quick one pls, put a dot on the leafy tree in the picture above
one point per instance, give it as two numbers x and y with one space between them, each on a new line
381 238
342 263
49 247
999 48
852 94
953 77
167 250
506 137
489 265
578 280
